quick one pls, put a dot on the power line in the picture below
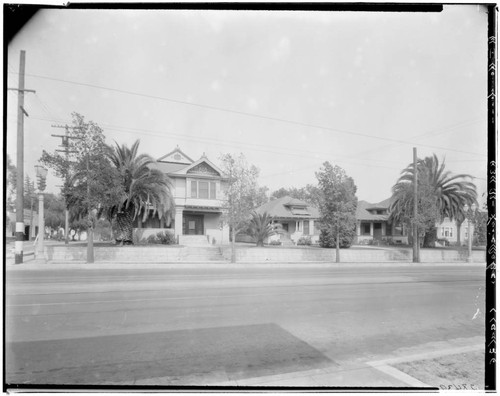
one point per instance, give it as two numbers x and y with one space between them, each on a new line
351 160
232 144
271 118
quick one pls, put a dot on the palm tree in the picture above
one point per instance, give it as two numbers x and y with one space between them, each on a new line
146 190
261 227
448 192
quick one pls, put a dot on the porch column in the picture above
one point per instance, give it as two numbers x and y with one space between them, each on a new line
358 228
371 229
384 229
178 220
311 227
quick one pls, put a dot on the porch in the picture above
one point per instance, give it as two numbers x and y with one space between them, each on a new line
380 232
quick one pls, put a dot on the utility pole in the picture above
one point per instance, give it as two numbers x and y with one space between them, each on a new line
65 145
416 245
20 160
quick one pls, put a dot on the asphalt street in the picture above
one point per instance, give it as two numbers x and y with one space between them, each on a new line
203 326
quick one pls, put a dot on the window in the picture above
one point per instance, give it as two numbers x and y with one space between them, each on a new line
212 190
194 189
203 190
365 229
451 230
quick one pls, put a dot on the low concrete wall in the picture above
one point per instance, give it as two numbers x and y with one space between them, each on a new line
132 254
281 254
176 253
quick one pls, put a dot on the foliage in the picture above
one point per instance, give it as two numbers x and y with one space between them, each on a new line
54 208
304 241
261 227
337 207
275 243
30 199
30 196
480 222
440 195
90 182
161 238
310 194
103 230
11 183
240 193
145 189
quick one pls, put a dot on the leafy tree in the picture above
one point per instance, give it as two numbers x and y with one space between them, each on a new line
146 190
427 209
261 227
337 207
54 207
11 184
309 193
91 184
29 199
439 191
239 195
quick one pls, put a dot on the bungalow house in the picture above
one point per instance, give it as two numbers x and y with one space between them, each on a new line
294 218
372 224
198 190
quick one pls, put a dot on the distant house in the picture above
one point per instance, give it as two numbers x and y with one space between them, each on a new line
198 190
30 224
372 224
294 218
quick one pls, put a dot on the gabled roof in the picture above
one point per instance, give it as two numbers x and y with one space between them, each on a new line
176 163
176 156
283 208
195 168
168 167
362 210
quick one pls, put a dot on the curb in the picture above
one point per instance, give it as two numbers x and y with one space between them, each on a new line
40 265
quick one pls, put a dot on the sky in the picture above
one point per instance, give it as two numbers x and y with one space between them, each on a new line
289 90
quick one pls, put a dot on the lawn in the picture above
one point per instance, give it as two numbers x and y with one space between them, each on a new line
464 371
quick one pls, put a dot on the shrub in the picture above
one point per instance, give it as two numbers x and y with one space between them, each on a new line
152 240
304 241
165 238
275 243
328 239
443 241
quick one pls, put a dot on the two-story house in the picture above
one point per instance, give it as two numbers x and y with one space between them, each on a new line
198 188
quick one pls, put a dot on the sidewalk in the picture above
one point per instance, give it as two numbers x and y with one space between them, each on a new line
30 263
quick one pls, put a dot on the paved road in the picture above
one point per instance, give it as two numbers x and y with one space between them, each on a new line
188 326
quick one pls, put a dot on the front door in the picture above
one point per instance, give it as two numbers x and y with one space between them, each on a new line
193 225
377 231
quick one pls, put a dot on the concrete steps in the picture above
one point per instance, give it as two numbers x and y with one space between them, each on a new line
197 253
193 240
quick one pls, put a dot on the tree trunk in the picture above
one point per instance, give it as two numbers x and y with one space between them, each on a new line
124 226
337 251
233 247
90 245
459 228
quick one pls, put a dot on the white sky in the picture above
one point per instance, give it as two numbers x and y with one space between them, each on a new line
367 78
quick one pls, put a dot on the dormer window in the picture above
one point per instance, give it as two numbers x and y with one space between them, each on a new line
300 210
